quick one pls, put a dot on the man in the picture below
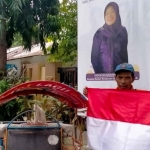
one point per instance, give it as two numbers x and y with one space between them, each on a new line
124 76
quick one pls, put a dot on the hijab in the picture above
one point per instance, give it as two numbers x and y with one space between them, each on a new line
114 35
114 29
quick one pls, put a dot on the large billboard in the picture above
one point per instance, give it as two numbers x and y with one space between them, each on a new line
111 33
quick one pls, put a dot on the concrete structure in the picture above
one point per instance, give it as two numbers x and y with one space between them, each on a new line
35 62
37 66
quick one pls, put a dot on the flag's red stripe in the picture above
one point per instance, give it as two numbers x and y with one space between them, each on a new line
126 106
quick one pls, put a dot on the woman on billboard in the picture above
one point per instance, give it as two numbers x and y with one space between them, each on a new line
109 47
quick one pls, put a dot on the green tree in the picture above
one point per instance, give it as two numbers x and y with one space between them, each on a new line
67 49
32 19
17 40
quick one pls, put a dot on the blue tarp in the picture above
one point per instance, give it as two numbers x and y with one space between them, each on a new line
8 66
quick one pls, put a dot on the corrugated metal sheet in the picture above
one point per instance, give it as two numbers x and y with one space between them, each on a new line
19 52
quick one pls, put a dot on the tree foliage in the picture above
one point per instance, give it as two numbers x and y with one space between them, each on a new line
67 49
17 40
34 20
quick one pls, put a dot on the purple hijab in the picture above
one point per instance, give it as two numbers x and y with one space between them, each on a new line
109 47
112 30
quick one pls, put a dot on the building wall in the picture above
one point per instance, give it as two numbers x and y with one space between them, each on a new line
37 68
33 59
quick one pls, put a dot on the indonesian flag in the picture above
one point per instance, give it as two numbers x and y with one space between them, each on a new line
118 119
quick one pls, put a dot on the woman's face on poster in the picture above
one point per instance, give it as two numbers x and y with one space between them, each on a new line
110 16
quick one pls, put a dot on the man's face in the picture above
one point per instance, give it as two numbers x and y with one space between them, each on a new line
124 80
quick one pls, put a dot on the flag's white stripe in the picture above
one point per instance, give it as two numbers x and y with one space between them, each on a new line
115 135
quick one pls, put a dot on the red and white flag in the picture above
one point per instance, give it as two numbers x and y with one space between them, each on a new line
118 120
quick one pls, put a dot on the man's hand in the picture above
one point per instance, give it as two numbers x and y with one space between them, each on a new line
85 91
